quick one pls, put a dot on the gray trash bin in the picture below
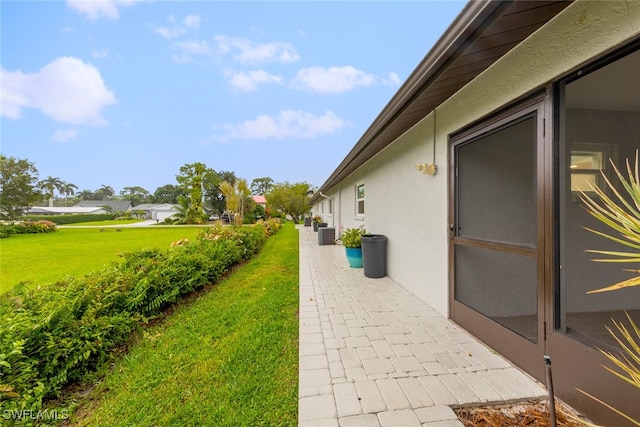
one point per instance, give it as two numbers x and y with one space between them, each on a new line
374 255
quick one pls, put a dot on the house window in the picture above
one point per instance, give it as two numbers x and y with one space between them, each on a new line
330 206
586 165
360 200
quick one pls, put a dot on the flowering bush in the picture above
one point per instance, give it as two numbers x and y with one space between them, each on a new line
29 227
317 218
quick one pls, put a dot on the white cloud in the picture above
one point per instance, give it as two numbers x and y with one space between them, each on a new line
192 22
249 52
332 80
96 9
288 124
100 53
66 90
64 135
170 33
392 80
195 47
249 81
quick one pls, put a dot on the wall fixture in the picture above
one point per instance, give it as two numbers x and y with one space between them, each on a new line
430 168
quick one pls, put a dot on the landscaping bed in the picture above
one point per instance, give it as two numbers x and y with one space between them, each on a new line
532 414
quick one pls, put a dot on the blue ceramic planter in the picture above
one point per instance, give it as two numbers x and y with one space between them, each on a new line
354 256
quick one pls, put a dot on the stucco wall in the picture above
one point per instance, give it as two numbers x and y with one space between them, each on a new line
411 208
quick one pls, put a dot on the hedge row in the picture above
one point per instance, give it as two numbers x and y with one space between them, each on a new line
73 218
54 335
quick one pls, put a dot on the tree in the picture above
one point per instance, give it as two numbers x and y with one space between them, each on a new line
87 195
68 189
260 186
136 195
231 197
213 196
186 213
105 192
191 179
167 194
289 199
50 185
18 187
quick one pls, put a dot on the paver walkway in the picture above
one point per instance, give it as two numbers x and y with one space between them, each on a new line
373 354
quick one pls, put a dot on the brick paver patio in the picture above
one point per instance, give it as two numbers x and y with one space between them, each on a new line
373 354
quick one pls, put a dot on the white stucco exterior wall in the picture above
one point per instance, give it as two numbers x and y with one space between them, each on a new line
411 208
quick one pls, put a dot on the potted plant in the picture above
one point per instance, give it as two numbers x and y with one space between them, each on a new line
351 239
317 219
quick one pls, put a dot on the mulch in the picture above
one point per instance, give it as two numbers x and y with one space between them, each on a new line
519 414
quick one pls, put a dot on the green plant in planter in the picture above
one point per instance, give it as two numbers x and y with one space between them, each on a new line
351 237
317 218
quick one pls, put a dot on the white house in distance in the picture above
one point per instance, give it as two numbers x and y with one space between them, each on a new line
472 170
158 212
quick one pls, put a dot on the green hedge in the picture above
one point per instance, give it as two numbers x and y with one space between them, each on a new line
56 334
73 218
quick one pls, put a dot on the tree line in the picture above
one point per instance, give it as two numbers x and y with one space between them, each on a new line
198 192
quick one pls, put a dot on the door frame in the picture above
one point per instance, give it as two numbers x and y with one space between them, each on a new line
521 351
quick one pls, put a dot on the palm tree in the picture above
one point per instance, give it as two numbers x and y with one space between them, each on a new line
50 185
231 196
68 189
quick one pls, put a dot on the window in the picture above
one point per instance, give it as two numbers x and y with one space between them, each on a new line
360 200
586 164
599 119
330 206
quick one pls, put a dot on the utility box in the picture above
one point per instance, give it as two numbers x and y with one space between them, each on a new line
326 236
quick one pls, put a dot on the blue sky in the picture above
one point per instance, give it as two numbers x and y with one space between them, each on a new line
124 92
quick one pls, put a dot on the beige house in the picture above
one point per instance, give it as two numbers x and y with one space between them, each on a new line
472 172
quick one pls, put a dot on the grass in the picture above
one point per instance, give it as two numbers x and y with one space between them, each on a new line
45 258
228 358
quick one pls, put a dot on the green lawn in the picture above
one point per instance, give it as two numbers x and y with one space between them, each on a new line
45 258
228 358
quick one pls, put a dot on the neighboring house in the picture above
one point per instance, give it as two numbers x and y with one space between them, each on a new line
115 205
158 212
260 200
45 210
519 104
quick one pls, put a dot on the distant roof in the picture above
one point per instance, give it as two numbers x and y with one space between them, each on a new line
64 210
260 199
115 205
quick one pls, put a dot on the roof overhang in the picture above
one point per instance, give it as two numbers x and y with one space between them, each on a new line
481 34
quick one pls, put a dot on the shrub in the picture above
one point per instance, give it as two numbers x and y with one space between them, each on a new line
58 333
28 227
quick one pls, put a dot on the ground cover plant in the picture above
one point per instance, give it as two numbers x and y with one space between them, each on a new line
54 335
229 358
39 259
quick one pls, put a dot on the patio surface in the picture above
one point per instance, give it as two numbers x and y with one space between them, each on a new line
373 354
